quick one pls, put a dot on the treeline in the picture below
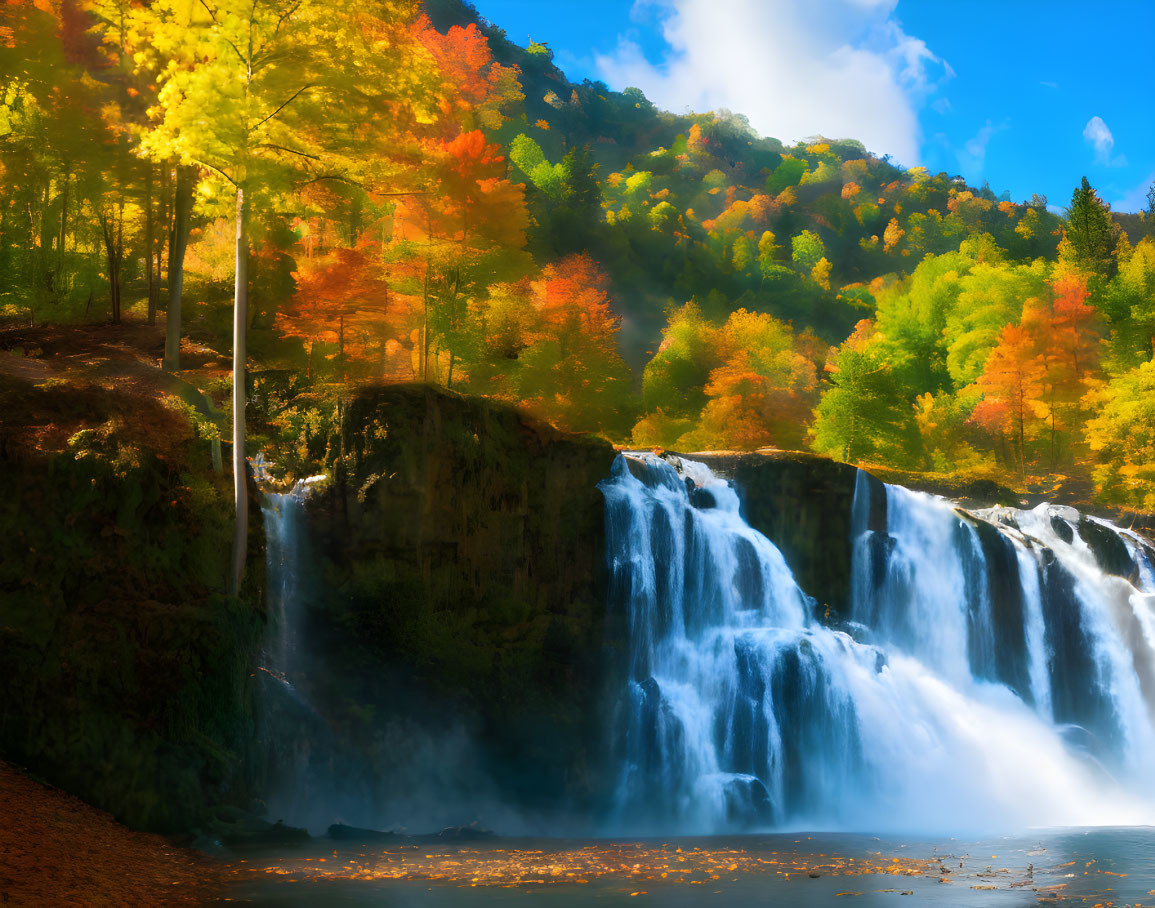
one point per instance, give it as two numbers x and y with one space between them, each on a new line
417 198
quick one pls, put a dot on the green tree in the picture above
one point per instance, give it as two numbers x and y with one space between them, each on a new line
990 296
674 379
528 157
912 318
1128 302
807 250
1091 231
785 175
863 415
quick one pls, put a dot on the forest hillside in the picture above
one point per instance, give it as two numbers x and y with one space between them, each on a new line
420 199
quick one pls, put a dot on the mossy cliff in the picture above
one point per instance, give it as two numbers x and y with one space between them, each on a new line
453 577
461 547
126 668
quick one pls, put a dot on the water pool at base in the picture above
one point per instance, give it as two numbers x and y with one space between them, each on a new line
1070 867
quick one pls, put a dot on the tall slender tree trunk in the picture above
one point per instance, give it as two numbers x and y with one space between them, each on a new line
63 228
43 275
178 242
425 327
240 325
113 235
149 242
1052 438
1022 436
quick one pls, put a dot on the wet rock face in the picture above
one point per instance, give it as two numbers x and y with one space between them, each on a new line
803 503
1110 551
461 546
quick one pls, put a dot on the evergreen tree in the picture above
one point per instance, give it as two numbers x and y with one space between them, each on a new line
1091 231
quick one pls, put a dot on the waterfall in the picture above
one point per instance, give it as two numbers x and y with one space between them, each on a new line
990 672
290 726
283 514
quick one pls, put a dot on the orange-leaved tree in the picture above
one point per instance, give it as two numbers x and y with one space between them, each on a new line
463 233
764 390
571 372
1012 386
343 299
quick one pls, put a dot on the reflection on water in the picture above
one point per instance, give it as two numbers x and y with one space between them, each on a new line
1092 866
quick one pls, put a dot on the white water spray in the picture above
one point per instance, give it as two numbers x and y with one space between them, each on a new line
991 675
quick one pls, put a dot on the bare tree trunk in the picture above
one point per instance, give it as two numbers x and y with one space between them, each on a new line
425 328
149 241
63 227
1022 437
112 248
240 471
178 242
43 272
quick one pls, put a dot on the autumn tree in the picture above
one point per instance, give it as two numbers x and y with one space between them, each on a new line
990 296
464 231
1012 386
571 372
244 90
762 392
1122 437
337 296
68 172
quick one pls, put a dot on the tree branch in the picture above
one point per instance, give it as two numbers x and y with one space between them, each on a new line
217 23
331 176
215 169
281 21
303 154
296 95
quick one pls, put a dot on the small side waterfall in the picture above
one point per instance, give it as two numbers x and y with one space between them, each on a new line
992 672
291 728
282 515
346 741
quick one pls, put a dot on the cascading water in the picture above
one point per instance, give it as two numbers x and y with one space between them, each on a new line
990 674
290 725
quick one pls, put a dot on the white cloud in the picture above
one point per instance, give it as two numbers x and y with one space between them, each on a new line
1097 133
796 68
1099 136
973 156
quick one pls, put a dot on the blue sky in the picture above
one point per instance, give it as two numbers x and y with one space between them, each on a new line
1026 94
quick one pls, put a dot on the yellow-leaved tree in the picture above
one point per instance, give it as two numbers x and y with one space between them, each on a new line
269 96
